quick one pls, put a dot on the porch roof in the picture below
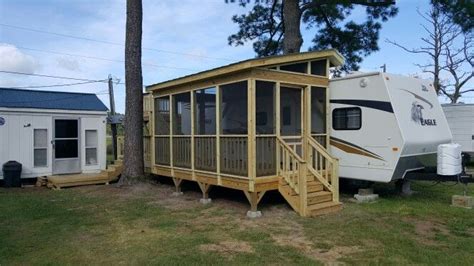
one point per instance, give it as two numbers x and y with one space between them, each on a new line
332 55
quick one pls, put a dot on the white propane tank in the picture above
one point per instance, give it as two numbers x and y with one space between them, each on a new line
449 159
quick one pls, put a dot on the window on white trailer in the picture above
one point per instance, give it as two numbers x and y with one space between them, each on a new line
91 147
347 118
40 147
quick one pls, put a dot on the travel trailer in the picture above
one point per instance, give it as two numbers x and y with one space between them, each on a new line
460 118
385 125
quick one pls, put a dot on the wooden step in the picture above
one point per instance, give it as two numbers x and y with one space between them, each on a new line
314 186
319 197
324 208
293 200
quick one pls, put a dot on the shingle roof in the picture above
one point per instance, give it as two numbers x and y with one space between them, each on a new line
16 98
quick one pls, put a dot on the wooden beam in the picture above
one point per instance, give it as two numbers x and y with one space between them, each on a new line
218 134
252 171
177 183
289 77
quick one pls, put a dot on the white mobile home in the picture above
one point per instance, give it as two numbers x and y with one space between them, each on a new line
52 133
385 125
461 121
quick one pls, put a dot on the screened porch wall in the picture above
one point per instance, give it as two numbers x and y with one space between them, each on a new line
194 128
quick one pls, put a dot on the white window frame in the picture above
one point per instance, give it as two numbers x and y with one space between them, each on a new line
96 147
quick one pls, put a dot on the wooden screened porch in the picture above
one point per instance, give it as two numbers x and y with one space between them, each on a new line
255 126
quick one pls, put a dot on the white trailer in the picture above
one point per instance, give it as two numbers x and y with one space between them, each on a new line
385 125
52 133
461 121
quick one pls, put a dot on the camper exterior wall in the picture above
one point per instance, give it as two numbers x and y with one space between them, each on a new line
371 152
402 124
460 118
16 137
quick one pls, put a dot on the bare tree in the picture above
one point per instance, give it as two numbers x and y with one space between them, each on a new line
446 57
133 147
456 61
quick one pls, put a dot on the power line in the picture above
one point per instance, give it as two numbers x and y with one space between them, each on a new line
110 43
55 77
101 58
44 75
56 85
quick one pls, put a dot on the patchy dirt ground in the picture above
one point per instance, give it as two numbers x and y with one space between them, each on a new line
145 223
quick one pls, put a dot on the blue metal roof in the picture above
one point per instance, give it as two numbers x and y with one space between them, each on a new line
16 98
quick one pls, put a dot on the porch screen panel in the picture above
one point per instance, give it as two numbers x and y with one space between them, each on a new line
162 116
162 130
318 114
205 148
234 129
265 127
182 130
290 104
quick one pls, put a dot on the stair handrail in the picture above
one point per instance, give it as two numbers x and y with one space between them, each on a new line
331 166
291 167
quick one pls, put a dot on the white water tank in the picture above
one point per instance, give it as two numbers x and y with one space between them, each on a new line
449 159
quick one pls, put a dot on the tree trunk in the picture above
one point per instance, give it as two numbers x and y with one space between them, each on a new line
292 40
133 146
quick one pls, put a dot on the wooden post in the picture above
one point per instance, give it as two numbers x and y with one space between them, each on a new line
193 132
335 180
302 183
254 198
152 121
277 123
218 135
171 134
205 188
251 130
113 125
177 183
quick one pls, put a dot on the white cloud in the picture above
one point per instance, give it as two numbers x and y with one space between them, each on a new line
12 59
68 63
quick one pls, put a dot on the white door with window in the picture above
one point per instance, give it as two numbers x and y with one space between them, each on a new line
66 159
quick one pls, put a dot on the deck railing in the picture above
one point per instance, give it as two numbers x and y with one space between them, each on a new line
235 156
324 167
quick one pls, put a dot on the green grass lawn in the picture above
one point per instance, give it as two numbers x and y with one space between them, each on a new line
144 224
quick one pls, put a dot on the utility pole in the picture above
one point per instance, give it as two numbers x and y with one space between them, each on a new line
384 67
113 125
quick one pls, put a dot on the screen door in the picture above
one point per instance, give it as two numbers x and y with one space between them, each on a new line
66 146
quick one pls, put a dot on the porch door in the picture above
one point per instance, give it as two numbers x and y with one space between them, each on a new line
291 116
66 158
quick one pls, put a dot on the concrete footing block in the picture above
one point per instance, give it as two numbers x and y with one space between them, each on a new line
254 214
462 201
176 194
205 201
366 198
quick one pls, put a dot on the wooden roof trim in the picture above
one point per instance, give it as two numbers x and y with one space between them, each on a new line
333 55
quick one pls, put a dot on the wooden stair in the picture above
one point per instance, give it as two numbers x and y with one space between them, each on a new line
309 185
318 200
111 174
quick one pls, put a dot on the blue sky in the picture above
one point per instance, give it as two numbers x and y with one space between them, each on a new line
187 36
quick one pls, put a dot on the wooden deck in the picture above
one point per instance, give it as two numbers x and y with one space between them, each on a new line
104 177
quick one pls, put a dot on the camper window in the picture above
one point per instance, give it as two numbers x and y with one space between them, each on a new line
40 148
347 118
